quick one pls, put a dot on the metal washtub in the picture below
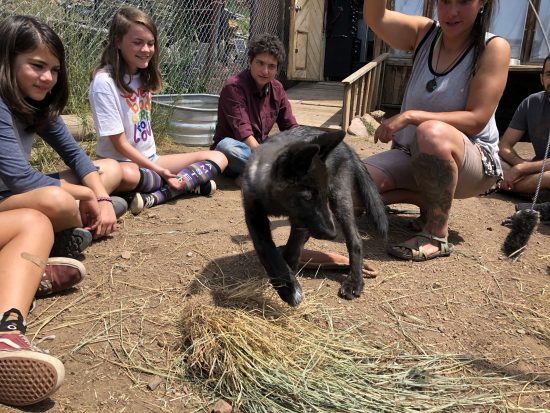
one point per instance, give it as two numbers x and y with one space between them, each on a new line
191 118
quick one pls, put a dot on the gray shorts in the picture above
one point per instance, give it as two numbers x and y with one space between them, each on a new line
472 181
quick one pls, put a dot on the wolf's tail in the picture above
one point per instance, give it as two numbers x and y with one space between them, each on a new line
376 210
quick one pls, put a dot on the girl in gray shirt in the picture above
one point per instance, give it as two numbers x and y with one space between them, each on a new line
33 93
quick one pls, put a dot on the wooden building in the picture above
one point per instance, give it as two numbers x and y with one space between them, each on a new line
328 41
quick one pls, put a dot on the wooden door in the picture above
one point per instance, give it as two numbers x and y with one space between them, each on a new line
306 40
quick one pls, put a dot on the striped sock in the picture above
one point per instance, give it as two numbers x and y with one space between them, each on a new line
197 174
149 181
193 176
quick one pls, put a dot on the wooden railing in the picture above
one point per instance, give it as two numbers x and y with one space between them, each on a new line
362 90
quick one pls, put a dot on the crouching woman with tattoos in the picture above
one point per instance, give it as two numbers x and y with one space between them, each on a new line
445 139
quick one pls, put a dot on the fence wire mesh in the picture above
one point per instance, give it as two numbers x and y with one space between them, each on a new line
201 42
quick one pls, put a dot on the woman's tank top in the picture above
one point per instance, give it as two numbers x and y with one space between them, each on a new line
450 94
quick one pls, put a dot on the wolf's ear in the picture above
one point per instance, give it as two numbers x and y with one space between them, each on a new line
328 141
296 160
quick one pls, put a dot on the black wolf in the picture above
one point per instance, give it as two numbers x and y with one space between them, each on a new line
309 176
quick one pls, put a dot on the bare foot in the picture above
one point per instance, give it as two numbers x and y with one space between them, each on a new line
330 261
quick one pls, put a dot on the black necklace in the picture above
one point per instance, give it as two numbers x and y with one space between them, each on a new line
431 84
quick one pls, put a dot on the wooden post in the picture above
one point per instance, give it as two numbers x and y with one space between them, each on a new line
363 96
529 33
364 78
382 78
375 92
346 107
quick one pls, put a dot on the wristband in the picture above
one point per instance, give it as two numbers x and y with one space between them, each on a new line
104 199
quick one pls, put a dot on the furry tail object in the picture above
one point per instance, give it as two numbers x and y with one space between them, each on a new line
523 224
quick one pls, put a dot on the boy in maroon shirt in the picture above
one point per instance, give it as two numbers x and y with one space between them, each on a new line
251 102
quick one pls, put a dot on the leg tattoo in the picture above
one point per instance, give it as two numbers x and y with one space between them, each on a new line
435 177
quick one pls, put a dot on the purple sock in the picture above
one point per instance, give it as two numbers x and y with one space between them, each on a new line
149 181
193 176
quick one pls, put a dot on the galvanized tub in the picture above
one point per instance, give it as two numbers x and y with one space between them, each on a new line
191 118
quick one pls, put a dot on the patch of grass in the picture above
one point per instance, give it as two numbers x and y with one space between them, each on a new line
370 128
271 358
46 160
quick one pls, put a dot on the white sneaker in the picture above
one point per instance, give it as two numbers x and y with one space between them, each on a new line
140 202
206 189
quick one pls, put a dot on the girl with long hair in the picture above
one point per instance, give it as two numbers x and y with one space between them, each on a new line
120 97
33 93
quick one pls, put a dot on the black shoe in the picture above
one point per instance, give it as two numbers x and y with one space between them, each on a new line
71 242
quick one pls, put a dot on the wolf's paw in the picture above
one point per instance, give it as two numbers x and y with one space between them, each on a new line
351 289
290 293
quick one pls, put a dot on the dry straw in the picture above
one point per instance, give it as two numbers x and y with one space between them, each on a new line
270 358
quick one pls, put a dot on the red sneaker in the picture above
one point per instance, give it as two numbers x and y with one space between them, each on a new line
27 375
60 274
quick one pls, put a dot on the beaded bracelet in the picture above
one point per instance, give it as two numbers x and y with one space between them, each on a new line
104 199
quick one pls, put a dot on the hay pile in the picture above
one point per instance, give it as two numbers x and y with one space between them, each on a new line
270 358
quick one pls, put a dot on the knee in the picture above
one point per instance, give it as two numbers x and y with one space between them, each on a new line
56 202
129 173
110 173
37 222
428 132
224 146
433 138
41 227
219 158
229 148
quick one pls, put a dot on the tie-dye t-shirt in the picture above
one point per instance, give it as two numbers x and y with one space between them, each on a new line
115 112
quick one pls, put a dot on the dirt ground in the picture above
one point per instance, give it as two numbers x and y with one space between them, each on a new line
117 333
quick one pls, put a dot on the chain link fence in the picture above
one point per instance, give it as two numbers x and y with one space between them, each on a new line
202 42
